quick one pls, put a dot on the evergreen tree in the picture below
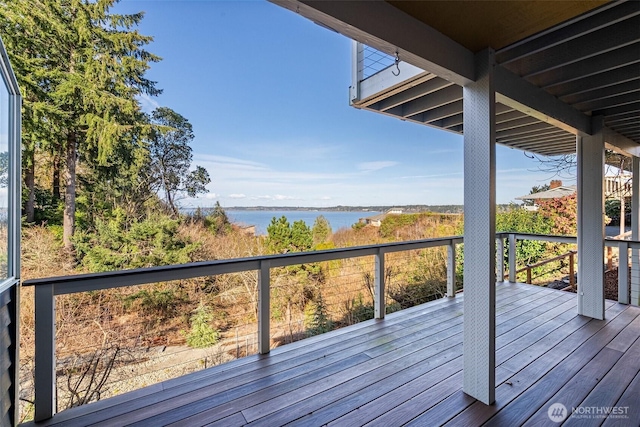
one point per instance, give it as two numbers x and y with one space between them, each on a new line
27 28
218 221
316 317
279 235
321 230
86 66
301 238
283 237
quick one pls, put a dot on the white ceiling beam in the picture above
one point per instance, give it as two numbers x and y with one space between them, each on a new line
384 27
387 80
626 33
413 93
620 144
592 21
521 95
442 112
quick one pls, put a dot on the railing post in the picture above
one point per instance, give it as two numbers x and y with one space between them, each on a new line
572 271
623 272
451 269
512 258
45 358
264 307
500 259
379 303
528 274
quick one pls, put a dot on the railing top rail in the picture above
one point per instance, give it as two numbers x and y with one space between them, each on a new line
633 244
114 279
139 276
542 237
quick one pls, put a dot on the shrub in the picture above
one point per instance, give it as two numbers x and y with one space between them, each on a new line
392 222
358 226
316 320
202 334
117 246
218 221
523 221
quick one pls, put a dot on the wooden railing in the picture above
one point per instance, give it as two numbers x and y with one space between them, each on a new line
571 254
47 289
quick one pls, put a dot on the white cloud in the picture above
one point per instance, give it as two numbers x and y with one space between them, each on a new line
374 166
440 175
211 196
325 198
147 103
237 196
275 197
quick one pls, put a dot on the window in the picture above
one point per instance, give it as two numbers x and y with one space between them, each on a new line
9 174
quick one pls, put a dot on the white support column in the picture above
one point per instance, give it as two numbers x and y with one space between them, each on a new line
635 232
479 231
591 222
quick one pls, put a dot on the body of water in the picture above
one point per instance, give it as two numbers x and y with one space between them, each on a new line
262 219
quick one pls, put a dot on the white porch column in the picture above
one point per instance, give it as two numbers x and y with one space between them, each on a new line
635 232
479 231
591 222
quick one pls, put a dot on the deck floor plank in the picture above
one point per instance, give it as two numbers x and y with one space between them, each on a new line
541 391
629 400
289 367
605 392
437 319
277 385
528 370
389 401
406 370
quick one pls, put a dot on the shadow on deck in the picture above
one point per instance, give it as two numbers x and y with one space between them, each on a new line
407 369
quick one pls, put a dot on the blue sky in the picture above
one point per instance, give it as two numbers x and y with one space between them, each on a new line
267 94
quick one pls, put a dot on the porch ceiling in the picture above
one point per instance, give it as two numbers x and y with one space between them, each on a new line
479 24
559 64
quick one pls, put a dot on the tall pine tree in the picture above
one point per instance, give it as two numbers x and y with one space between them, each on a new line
89 73
27 28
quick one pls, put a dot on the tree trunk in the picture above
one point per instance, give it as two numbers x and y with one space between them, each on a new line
69 222
174 209
55 191
30 182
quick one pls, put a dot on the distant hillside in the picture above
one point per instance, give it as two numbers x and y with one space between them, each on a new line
405 208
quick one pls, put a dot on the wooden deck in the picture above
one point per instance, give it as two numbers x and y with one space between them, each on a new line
407 370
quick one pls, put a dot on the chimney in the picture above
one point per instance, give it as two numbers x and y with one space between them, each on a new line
555 183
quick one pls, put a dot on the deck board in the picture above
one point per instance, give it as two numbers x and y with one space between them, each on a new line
629 400
406 369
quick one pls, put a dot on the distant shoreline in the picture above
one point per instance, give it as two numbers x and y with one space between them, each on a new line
363 209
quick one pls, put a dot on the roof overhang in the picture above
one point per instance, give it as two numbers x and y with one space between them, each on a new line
559 64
